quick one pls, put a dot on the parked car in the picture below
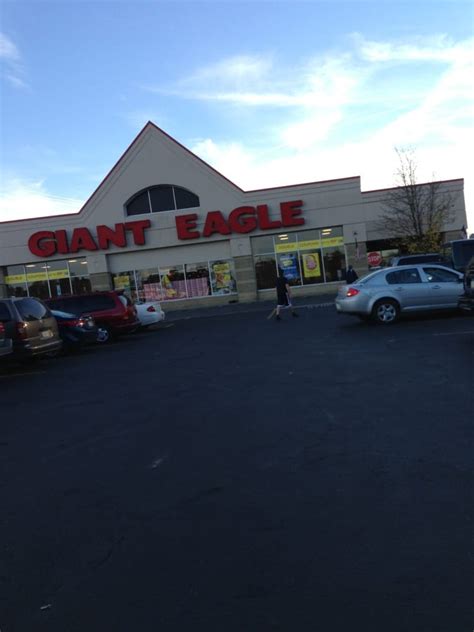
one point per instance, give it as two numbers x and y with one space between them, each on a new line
75 331
31 326
404 260
466 301
110 314
6 344
386 294
149 313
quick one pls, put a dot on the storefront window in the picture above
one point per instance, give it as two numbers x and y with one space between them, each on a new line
37 280
265 271
197 279
222 277
284 238
173 283
305 257
80 281
262 245
334 264
126 281
48 279
16 281
148 285
58 277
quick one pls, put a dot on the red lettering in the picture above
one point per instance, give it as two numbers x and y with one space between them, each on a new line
215 223
264 220
82 240
138 230
186 225
107 236
61 241
42 244
241 220
290 212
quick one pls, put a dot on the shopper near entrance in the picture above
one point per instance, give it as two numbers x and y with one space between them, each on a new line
351 275
283 295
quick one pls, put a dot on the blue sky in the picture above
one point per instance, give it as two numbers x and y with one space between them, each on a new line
268 93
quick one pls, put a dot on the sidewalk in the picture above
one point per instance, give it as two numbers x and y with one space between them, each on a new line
302 302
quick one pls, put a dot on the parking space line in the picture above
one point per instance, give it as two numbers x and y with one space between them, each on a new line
23 374
454 333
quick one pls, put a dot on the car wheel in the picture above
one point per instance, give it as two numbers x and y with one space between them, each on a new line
386 311
103 335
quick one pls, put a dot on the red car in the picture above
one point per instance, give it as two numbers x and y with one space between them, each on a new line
112 314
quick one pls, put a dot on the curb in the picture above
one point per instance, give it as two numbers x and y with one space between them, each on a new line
255 310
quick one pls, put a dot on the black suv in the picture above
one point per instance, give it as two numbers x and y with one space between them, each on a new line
466 302
30 325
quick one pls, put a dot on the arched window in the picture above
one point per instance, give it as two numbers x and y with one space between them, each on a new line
163 197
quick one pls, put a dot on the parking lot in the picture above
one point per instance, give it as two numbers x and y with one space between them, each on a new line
231 473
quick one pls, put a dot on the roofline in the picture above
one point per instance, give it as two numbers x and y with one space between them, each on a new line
418 184
302 184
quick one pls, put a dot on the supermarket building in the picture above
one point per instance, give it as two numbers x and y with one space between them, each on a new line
164 225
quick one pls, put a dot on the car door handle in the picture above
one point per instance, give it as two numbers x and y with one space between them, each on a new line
399 289
436 287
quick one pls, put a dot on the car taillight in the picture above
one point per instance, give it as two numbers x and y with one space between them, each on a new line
21 331
76 322
150 309
2 328
352 292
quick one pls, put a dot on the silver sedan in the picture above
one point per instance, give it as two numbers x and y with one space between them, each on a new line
386 294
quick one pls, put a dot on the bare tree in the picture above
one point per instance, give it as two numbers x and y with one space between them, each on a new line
416 213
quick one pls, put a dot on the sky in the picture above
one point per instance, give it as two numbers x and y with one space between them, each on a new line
268 93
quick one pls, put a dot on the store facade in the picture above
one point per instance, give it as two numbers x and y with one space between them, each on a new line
164 225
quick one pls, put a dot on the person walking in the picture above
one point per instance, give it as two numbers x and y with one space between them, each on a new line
283 295
351 275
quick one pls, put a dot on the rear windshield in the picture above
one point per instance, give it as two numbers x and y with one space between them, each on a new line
83 304
462 252
31 309
4 313
368 277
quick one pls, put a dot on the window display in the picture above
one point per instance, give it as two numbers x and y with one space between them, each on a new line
306 257
288 264
311 267
173 284
193 280
222 277
197 279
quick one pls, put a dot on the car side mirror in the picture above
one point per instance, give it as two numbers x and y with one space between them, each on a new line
460 279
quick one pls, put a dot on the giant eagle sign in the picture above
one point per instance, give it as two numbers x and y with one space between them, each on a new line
244 219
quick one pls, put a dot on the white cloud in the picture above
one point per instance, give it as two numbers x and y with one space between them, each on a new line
14 73
436 119
438 48
21 199
8 50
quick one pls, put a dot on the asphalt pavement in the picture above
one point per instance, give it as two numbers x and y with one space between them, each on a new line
234 473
